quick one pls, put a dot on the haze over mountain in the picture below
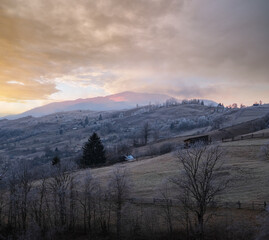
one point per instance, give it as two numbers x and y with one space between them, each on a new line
124 100
119 101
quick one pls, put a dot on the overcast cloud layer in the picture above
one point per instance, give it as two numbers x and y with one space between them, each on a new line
214 49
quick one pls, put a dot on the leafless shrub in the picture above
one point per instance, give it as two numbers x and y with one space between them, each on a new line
152 150
132 218
241 229
166 148
117 152
264 151
263 232
151 223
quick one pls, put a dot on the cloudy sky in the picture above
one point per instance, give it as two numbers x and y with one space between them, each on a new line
53 50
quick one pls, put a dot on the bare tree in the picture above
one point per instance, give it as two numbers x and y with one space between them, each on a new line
145 132
167 210
60 186
25 185
4 166
120 189
264 152
201 180
104 208
19 183
72 204
12 181
38 206
87 202
156 133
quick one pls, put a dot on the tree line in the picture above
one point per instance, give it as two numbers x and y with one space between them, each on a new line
62 203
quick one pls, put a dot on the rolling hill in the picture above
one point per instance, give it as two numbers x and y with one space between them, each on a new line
64 133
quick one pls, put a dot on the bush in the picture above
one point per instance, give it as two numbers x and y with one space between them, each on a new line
166 148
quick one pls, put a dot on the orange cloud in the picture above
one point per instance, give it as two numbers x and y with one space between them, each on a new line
186 48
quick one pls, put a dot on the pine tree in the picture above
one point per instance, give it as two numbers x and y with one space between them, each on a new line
93 151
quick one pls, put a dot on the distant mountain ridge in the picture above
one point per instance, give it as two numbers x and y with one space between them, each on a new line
119 101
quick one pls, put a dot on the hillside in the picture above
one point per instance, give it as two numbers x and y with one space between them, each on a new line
64 133
243 157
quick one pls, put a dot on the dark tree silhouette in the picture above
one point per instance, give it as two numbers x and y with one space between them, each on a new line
145 132
55 161
86 122
93 151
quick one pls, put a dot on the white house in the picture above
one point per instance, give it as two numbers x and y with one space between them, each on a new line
129 158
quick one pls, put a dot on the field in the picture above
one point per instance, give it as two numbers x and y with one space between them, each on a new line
243 157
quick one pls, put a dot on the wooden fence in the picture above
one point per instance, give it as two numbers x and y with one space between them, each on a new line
248 136
254 205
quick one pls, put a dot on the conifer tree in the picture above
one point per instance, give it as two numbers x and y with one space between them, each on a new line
93 151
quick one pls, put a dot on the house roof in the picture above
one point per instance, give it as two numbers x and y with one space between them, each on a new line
196 137
129 158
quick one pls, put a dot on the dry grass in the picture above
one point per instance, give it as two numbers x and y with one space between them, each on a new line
242 156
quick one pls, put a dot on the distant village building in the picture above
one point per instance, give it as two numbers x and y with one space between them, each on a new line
204 139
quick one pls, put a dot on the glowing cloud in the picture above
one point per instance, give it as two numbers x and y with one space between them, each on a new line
211 48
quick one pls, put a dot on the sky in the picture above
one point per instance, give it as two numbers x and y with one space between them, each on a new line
54 50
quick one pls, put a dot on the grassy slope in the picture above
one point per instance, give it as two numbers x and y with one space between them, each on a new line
148 174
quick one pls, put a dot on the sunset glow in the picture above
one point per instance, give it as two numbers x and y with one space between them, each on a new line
64 49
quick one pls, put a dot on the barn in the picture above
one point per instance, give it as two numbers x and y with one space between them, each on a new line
205 139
